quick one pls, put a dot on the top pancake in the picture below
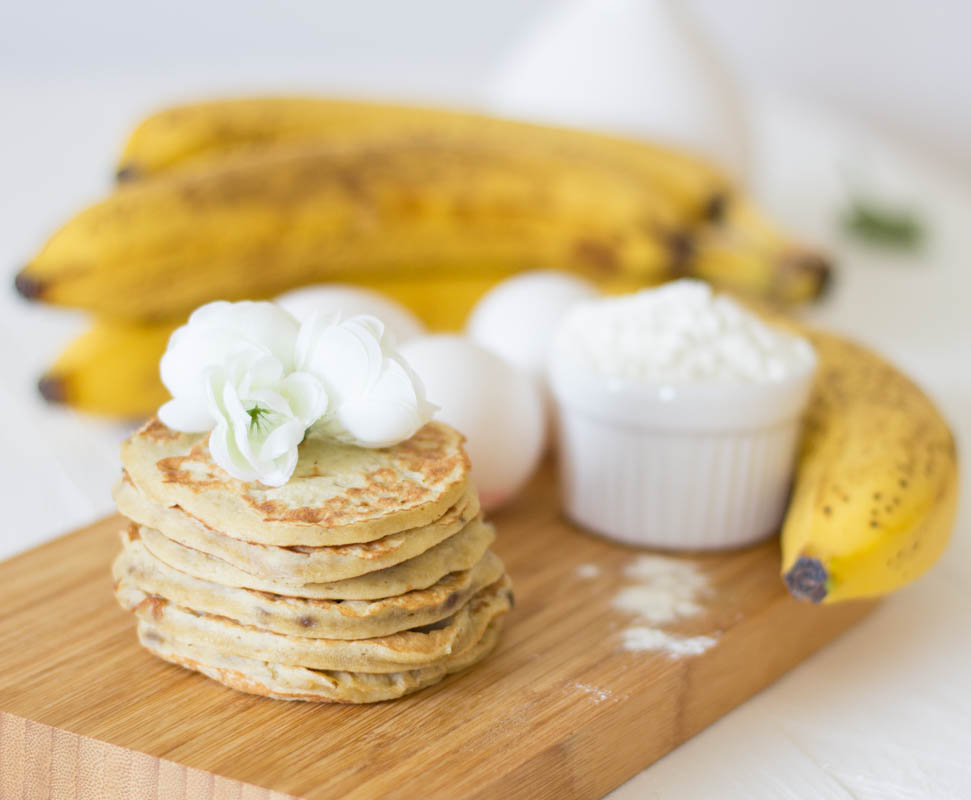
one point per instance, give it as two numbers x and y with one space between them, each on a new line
338 494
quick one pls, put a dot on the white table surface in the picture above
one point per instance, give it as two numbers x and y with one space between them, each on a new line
885 712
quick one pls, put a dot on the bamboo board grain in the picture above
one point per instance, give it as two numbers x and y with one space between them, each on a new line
559 711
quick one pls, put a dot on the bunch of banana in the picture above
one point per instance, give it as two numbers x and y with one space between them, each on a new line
750 253
277 219
248 198
187 137
195 135
876 484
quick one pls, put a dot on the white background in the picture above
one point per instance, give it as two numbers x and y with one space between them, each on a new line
882 713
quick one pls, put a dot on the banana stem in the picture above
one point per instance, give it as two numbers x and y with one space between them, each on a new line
807 579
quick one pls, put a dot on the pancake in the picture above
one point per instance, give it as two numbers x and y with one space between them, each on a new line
298 564
136 568
458 552
338 493
297 683
406 650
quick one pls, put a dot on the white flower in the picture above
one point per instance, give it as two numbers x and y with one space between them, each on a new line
258 380
376 400
262 414
214 333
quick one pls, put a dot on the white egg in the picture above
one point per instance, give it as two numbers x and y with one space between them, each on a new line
350 300
517 318
497 406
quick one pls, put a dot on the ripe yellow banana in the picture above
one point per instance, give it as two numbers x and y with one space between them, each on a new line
876 486
256 226
736 247
194 135
111 370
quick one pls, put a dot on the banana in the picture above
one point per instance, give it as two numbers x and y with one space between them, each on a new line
111 370
194 135
740 249
256 226
876 484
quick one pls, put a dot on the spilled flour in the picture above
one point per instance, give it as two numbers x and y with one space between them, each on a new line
638 638
597 694
666 590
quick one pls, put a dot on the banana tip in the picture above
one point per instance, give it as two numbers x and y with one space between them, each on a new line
807 579
27 286
127 172
801 264
52 389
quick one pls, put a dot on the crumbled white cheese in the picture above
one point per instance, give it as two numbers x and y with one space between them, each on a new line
679 332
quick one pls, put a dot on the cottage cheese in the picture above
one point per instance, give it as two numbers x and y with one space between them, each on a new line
678 419
681 332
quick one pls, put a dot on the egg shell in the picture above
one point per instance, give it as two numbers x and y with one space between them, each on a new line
497 406
518 317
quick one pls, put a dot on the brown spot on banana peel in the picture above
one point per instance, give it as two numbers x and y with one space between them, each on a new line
681 246
716 207
808 580
29 287
598 255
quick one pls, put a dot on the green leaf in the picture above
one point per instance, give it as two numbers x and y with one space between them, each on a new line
881 225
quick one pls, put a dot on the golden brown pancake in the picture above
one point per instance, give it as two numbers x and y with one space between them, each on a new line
406 650
458 552
297 564
338 494
136 568
298 683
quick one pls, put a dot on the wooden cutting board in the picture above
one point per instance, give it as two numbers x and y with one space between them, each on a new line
560 710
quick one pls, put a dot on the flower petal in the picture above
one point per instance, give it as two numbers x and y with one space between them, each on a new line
218 331
185 414
282 439
306 395
282 469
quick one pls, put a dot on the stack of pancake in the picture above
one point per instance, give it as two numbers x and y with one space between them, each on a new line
367 576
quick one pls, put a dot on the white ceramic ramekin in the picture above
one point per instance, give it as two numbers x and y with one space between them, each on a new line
690 466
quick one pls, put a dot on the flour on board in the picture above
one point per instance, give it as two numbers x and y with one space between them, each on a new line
666 590
597 694
640 638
